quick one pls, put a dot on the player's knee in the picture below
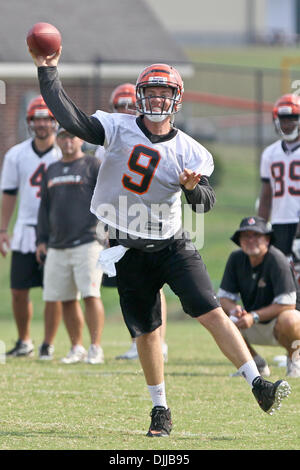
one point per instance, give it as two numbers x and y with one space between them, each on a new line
287 321
150 337
212 318
20 295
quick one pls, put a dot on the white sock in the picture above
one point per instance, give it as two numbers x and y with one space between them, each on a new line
249 371
158 394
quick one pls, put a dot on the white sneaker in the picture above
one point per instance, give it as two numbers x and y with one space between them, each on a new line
131 353
236 374
95 355
281 361
165 351
293 368
262 366
76 354
264 371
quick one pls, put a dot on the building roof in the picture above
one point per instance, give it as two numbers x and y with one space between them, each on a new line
92 31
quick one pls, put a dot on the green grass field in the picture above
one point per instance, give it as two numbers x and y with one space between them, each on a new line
52 406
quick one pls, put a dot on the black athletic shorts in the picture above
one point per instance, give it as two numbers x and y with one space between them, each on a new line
141 275
284 235
108 281
25 271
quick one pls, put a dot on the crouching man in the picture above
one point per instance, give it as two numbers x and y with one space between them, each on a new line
262 277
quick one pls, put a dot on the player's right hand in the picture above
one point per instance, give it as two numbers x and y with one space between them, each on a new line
4 244
49 61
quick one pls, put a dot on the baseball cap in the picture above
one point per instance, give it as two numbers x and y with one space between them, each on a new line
61 130
256 224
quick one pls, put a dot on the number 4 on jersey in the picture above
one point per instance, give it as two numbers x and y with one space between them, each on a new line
37 177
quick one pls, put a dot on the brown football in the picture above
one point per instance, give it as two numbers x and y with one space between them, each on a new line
43 39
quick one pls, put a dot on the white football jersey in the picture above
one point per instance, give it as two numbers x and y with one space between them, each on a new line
138 189
282 169
23 169
100 151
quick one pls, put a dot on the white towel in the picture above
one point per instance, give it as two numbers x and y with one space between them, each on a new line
24 239
108 257
233 318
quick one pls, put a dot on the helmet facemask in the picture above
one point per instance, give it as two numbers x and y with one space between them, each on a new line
287 108
37 108
38 115
144 104
290 136
124 105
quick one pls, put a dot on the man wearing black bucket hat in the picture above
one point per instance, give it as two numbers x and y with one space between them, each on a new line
262 277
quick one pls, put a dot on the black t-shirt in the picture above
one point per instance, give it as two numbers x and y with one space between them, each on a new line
258 286
65 219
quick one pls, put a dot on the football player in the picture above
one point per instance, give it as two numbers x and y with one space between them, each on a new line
23 169
148 163
280 174
123 100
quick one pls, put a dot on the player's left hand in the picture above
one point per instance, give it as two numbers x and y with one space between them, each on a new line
189 179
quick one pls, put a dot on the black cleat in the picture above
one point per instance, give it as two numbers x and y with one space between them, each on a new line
46 352
269 395
21 349
161 423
